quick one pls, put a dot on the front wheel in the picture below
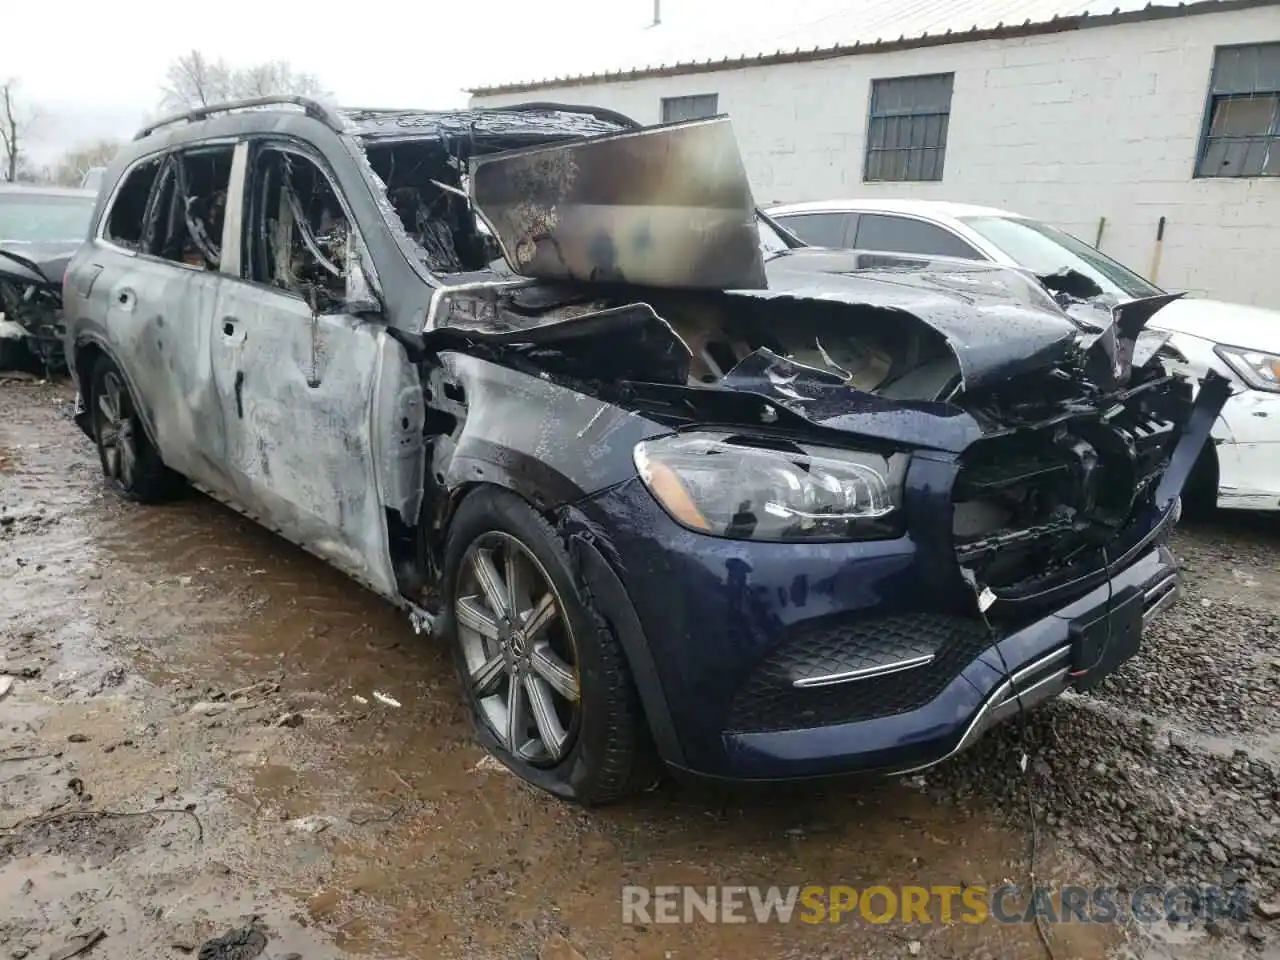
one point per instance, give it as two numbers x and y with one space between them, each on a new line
130 464
546 681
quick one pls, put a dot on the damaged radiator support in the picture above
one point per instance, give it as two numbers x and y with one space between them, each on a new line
1035 500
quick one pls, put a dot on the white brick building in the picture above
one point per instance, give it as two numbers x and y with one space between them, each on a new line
1102 115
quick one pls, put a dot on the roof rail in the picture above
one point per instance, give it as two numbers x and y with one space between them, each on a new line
313 109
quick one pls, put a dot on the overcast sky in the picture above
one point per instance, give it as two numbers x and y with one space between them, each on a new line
94 68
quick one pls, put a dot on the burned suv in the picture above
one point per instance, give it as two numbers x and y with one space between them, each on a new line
673 494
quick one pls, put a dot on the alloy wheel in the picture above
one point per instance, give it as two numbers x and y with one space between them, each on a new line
518 647
115 431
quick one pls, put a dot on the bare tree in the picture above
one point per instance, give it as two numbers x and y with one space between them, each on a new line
273 77
194 80
15 127
79 160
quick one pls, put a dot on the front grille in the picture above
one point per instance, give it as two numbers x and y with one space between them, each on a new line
770 699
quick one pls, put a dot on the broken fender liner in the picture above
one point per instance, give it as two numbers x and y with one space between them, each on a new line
1110 355
1214 391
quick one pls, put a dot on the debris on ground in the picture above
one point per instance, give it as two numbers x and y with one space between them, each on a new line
243 944
313 824
489 764
558 948
385 699
78 944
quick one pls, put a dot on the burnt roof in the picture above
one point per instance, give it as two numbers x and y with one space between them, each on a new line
523 119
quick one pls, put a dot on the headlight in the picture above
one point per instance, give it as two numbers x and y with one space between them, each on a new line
734 487
1259 370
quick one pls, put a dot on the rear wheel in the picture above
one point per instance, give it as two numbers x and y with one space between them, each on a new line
130 464
547 683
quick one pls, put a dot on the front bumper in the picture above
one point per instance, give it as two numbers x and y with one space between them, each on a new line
721 620
1247 438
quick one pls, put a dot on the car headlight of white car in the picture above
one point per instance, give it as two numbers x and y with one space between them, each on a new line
1258 369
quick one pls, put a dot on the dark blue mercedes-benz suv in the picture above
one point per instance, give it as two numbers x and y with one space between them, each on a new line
674 488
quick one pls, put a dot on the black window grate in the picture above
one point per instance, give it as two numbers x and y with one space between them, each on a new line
1241 136
907 128
698 107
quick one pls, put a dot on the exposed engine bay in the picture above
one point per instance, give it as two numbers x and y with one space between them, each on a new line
1057 463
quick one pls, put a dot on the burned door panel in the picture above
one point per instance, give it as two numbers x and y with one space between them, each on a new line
158 316
295 391
296 372
665 207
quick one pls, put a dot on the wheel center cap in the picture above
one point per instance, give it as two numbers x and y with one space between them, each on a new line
519 643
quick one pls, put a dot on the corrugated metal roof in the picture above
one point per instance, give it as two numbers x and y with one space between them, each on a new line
820 29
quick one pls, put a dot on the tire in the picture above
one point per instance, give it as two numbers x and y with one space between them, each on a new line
606 753
130 464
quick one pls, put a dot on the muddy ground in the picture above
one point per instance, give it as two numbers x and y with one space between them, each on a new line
192 744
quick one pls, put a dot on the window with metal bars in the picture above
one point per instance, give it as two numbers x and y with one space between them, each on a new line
675 109
1241 136
907 127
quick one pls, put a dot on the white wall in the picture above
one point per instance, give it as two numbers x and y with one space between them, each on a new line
1067 127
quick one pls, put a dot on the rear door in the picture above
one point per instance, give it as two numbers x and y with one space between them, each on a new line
294 370
888 233
835 230
150 280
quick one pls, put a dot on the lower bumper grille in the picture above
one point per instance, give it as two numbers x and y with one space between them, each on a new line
856 671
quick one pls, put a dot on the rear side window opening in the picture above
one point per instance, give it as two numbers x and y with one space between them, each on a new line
189 209
174 207
127 217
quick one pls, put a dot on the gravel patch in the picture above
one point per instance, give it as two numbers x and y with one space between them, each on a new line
1169 772
1207 664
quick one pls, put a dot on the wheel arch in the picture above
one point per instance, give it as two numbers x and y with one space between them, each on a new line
89 349
602 588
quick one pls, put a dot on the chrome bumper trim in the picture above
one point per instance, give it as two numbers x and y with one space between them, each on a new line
866 673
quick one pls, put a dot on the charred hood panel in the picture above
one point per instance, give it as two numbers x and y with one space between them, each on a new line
661 207
998 322
39 263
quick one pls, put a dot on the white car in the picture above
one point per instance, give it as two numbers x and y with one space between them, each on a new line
1239 341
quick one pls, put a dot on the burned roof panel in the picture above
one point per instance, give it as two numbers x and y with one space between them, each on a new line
519 120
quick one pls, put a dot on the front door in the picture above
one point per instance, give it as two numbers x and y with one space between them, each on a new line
295 372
